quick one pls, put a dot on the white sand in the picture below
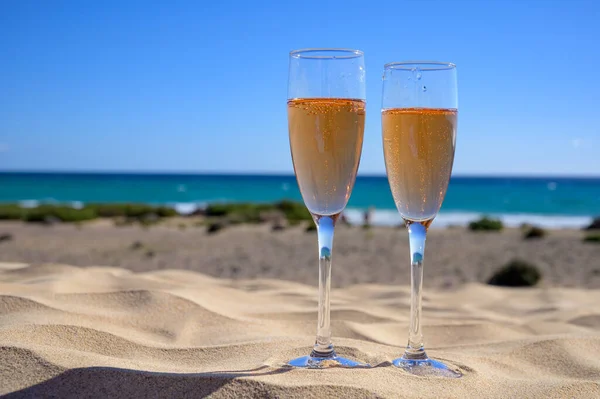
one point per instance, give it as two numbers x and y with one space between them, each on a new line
107 332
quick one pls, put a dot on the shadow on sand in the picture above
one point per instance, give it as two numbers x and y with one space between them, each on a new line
109 382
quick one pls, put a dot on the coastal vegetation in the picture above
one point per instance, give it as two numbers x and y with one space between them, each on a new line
534 232
294 212
125 214
592 238
486 224
49 213
595 225
516 273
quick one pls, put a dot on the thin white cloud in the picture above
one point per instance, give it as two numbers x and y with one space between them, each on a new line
576 143
4 147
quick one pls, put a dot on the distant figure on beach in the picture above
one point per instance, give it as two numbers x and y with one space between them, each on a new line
367 216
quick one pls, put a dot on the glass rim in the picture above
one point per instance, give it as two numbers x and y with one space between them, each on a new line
423 65
338 53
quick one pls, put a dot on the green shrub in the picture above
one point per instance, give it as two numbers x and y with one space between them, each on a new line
108 210
145 214
238 212
486 224
251 213
595 225
11 212
130 210
311 227
516 273
534 232
166 212
293 211
46 213
593 238
139 210
218 210
214 227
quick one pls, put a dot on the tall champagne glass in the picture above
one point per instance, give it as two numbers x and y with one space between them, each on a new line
326 120
419 116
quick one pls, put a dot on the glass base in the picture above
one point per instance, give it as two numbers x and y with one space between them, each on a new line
426 367
324 362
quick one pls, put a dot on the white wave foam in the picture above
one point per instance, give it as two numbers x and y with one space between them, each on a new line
550 221
389 217
29 203
186 208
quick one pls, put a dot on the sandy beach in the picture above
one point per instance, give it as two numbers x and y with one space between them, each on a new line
454 256
108 332
187 314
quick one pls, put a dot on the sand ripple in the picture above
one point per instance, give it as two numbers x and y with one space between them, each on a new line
107 332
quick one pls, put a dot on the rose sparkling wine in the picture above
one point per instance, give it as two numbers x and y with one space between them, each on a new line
418 145
326 136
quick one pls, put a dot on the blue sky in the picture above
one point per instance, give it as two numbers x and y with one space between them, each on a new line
201 86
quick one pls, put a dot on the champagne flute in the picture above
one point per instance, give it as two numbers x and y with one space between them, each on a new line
326 120
419 116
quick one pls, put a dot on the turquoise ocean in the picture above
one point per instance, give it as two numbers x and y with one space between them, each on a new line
545 201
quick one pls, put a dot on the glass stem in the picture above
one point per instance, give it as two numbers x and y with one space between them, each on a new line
325 229
417 233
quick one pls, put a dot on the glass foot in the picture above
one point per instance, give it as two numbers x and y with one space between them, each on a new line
324 362
426 368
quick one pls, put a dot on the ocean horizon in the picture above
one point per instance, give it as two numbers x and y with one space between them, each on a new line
548 201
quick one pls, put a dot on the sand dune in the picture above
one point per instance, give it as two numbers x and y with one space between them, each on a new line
107 332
